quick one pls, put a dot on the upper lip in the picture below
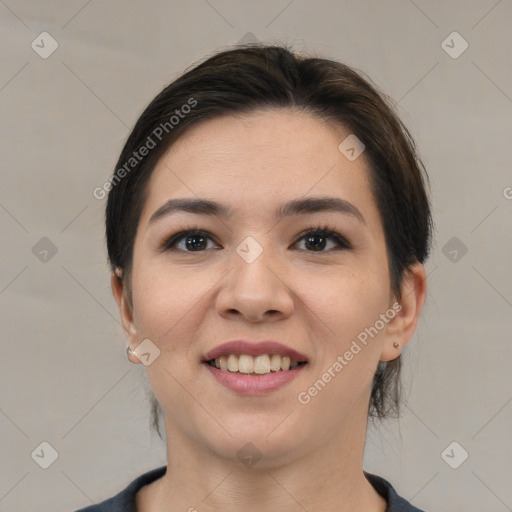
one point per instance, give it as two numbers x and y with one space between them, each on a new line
259 348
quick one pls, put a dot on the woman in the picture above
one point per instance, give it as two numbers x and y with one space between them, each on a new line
267 225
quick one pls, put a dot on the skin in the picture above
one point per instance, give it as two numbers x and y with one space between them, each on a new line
186 303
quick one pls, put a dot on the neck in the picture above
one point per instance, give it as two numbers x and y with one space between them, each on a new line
327 478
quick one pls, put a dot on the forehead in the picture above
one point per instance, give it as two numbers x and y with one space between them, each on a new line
254 162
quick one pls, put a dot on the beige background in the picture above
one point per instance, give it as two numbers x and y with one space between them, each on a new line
64 378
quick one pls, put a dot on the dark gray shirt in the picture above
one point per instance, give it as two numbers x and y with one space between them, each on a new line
125 500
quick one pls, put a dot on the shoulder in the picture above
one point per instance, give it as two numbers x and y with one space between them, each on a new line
125 500
395 502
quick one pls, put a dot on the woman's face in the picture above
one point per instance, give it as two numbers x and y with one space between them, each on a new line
254 275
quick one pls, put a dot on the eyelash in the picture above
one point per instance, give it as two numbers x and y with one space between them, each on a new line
322 230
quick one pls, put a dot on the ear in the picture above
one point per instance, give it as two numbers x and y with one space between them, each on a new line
125 309
402 326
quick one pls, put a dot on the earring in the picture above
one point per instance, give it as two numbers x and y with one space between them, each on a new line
396 344
130 352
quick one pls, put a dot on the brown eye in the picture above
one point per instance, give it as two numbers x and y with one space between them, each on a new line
187 241
316 240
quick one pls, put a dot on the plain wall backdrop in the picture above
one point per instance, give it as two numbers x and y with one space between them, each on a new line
74 77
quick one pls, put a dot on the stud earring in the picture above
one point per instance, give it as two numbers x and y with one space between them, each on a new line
396 344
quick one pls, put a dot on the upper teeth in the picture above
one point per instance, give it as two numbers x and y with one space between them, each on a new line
261 365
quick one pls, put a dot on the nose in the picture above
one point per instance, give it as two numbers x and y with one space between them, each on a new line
255 291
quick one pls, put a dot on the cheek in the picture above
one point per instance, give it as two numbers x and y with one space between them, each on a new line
158 300
170 303
343 320
164 312
343 304
158 305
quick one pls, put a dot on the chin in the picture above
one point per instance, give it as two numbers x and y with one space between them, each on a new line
257 440
254 453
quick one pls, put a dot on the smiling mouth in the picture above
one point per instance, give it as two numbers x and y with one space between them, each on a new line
257 365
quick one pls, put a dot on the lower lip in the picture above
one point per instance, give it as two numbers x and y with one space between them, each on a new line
254 384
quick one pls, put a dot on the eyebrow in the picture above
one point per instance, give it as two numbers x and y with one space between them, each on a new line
201 206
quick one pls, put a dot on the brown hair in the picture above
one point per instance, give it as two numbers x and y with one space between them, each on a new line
255 77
